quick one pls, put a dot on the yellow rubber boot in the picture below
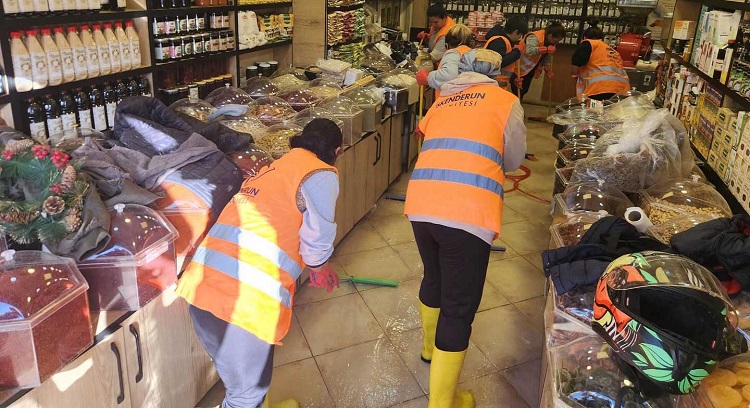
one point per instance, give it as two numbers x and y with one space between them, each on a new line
289 403
429 326
444 372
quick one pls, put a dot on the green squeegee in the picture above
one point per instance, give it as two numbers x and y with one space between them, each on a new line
370 281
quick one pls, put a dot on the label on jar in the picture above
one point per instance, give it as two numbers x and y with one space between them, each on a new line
54 126
230 42
135 53
193 92
183 25
67 60
222 42
158 27
191 24
93 60
10 6
187 47
38 131
56 5
111 108
159 52
84 117
104 57
100 118
54 67
216 21
207 45
200 22
178 50
25 6
68 120
215 43
197 46
170 27
225 21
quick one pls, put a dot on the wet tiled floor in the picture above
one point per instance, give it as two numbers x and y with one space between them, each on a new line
359 346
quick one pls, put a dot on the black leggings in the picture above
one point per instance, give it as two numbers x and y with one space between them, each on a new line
455 266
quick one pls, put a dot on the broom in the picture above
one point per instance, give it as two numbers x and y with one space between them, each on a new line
370 281
549 95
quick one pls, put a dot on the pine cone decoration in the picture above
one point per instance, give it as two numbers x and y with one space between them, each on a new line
16 146
53 205
68 179
72 221
16 217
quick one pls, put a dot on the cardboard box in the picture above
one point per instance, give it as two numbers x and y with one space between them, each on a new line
725 116
684 30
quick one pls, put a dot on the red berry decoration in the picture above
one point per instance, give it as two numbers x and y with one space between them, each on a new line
7 155
41 152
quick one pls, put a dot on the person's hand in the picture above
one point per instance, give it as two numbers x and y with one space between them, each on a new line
519 82
551 49
418 133
422 75
548 72
542 49
422 35
537 73
324 277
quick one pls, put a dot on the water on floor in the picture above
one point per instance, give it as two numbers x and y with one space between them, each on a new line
359 346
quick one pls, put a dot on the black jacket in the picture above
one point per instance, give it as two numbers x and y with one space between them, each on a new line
723 242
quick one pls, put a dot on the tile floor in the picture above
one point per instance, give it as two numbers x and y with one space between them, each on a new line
359 346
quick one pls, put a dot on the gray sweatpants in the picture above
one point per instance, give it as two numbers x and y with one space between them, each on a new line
243 361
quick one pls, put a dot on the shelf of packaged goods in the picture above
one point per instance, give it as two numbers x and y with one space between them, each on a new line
190 10
8 23
350 7
263 47
714 178
352 41
263 6
20 96
182 61
739 99
724 4
559 17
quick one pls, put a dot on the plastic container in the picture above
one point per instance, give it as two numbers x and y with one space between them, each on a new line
276 141
73 138
286 79
346 110
195 108
299 99
410 79
584 375
724 386
571 154
577 304
325 88
304 117
572 230
628 107
250 160
589 197
680 197
562 175
372 109
137 265
44 317
396 92
228 95
377 63
258 87
272 110
667 229
247 123
584 131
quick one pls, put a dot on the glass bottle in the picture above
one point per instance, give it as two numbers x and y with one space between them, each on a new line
67 111
110 103
98 109
52 115
83 108
36 118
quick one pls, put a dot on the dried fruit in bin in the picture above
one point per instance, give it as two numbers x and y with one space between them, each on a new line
299 99
228 95
272 110
276 141
250 160
195 108
728 385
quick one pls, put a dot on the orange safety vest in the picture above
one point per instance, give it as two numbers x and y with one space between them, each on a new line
461 49
449 23
528 63
459 173
507 71
603 73
244 271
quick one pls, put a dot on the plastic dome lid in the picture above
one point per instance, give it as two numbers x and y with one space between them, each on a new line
361 96
624 95
35 283
341 106
299 98
193 107
244 124
327 82
276 141
138 234
584 130
272 110
576 103
378 62
389 80
259 87
228 95
307 115
71 139
572 230
690 192
251 159
594 197
288 80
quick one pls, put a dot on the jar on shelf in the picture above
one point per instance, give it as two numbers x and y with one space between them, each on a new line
215 41
161 49
206 39
231 45
187 46
197 40
182 92
169 96
185 74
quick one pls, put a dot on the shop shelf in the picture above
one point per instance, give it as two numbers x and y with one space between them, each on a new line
346 8
190 10
266 46
12 23
262 6
80 84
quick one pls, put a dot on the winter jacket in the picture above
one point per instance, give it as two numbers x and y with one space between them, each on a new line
606 240
723 242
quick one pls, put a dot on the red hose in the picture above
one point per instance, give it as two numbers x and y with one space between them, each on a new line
517 179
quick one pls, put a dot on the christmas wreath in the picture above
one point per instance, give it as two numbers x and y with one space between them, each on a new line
41 193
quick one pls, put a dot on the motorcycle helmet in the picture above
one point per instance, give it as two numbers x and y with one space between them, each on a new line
667 318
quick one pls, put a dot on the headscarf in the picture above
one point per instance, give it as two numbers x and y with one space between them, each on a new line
481 61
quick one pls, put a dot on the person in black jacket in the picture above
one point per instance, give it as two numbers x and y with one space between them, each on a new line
499 39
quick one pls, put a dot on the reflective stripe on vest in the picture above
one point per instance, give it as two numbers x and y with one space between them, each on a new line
463 145
528 63
603 73
461 177
507 72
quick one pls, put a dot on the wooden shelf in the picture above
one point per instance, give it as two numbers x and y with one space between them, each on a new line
739 99
9 23
264 47
191 10
264 6
731 5
346 8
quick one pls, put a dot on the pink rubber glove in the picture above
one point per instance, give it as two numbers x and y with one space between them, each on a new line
548 72
324 277
542 49
551 49
422 75
421 35
519 82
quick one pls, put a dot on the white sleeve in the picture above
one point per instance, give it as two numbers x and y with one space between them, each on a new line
439 50
448 70
514 150
318 229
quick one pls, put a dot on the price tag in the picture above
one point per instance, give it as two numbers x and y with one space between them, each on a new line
587 196
583 151
586 227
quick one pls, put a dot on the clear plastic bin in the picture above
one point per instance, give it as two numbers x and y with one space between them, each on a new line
299 99
44 317
666 230
727 386
307 115
347 111
276 141
247 123
228 95
137 265
272 110
372 109
259 87
677 198
288 79
324 88
584 131
396 92
589 197
410 79
73 138
195 108
563 175
584 376
572 230
573 153
250 160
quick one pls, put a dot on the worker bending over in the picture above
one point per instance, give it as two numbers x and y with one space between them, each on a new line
473 133
505 42
600 72
440 23
536 48
241 281
456 41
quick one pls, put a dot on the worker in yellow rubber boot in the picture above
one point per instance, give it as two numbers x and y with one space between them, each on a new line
241 281
473 133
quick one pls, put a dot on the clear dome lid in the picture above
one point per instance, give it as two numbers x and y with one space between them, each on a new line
576 103
288 78
632 107
680 197
409 77
276 141
228 95
575 115
71 139
624 95
594 197
300 98
584 131
325 88
193 107
390 81
664 231
378 63
575 151
572 230
307 115
259 87
35 283
139 233
341 106
361 96
272 110
247 123
251 159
